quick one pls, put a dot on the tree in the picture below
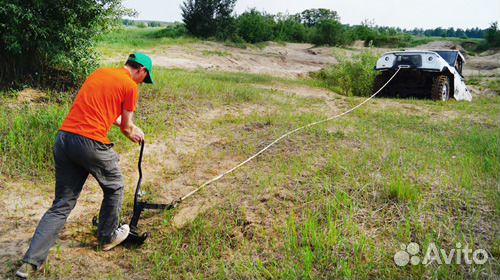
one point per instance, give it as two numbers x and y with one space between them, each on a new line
311 17
288 28
254 26
493 35
206 18
50 42
329 32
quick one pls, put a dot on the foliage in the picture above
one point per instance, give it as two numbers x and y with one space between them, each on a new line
207 18
290 29
254 26
120 42
329 32
493 35
379 36
352 76
154 24
51 43
448 32
312 17
27 135
171 31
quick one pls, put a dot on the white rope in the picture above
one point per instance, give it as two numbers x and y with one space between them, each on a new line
218 177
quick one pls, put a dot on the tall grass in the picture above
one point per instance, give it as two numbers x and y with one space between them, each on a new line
27 134
351 76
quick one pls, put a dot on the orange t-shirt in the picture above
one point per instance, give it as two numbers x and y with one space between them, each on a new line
99 103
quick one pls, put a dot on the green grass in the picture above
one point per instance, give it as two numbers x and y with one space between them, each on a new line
123 41
333 201
494 85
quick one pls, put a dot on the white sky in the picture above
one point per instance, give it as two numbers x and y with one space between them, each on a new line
398 13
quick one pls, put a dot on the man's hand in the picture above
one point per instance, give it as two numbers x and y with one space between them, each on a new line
129 129
137 135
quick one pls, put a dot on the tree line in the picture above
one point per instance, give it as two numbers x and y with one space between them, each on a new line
449 32
215 18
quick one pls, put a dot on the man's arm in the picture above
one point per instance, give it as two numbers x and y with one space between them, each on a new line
128 128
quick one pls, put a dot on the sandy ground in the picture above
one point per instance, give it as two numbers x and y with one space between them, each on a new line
23 205
281 60
291 59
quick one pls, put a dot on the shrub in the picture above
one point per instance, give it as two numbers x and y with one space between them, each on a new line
51 43
289 29
171 31
254 26
208 18
154 24
352 76
311 17
493 35
330 32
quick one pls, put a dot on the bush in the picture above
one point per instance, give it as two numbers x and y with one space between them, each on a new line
493 36
209 18
354 76
154 24
254 26
330 32
172 31
312 17
289 29
51 43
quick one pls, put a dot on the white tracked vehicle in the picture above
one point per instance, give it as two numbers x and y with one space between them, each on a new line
435 74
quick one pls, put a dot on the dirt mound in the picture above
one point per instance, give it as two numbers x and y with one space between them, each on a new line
484 64
441 45
287 60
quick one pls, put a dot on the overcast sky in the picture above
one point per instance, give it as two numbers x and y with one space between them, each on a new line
404 14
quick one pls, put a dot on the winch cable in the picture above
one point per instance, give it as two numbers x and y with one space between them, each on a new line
218 177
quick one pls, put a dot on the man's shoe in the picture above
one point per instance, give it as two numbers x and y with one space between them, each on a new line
121 234
25 270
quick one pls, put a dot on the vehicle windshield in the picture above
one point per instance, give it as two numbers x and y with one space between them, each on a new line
449 56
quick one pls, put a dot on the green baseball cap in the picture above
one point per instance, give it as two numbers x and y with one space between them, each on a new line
145 61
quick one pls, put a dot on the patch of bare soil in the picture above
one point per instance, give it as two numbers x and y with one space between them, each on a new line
288 60
333 100
441 45
22 207
485 64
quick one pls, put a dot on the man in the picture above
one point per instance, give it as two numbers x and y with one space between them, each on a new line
108 96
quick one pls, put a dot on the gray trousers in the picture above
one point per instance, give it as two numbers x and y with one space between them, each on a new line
75 158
